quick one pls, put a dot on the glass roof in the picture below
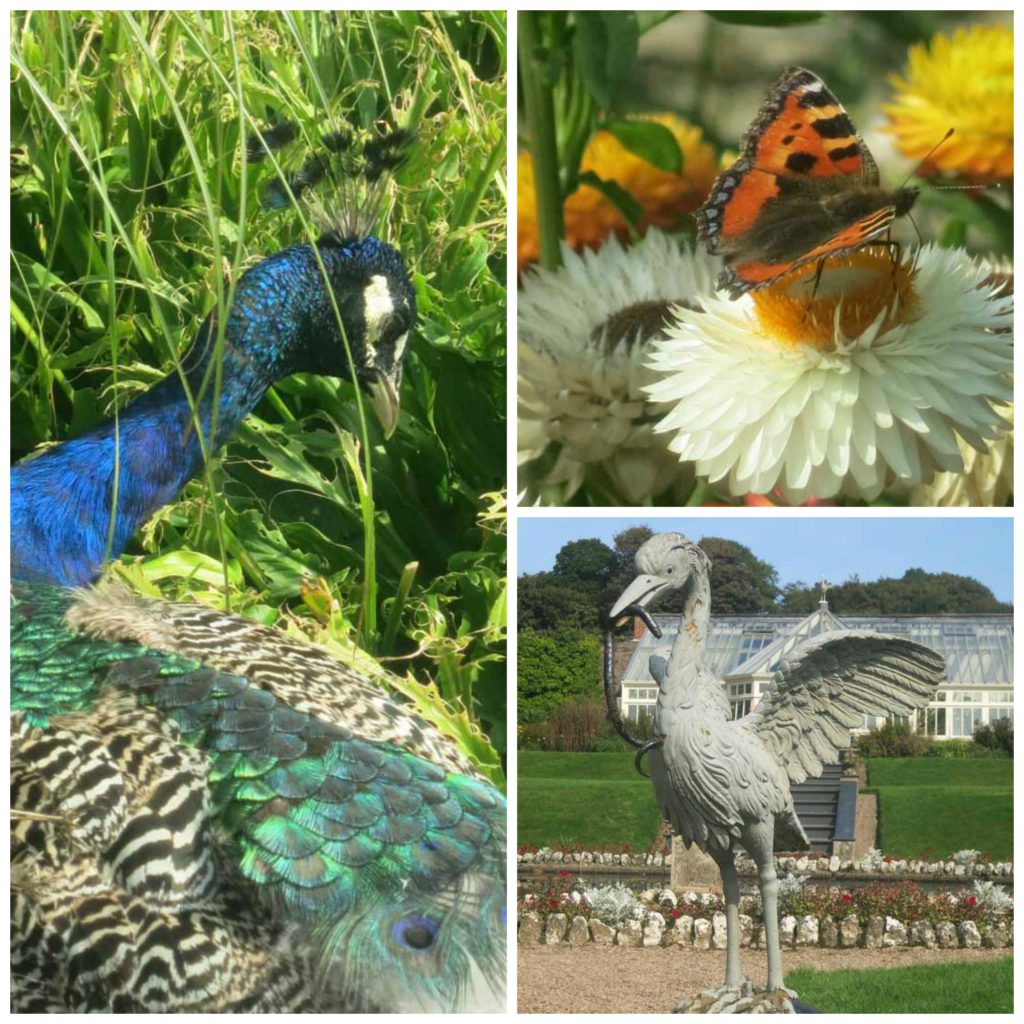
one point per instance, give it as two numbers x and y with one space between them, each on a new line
978 648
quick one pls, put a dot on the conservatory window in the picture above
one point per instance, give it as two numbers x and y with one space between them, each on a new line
965 721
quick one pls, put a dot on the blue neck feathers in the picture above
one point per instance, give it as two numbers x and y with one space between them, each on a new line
282 321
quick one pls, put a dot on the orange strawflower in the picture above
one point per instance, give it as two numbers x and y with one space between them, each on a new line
590 218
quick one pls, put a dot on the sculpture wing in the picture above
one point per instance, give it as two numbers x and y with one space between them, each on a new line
823 690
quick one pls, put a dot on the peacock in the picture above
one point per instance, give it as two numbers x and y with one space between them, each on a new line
208 815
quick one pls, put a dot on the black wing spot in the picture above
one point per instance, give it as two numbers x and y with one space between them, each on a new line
787 139
800 163
845 152
837 127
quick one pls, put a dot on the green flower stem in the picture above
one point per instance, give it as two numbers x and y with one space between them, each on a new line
540 125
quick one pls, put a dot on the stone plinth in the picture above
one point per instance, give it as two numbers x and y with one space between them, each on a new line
692 870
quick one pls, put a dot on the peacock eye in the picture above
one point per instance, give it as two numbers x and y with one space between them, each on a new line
414 932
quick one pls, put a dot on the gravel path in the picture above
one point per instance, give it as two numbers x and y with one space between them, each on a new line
620 979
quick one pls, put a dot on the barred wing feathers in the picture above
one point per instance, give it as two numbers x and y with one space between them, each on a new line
823 690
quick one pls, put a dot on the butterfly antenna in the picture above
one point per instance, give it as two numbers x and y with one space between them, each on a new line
931 152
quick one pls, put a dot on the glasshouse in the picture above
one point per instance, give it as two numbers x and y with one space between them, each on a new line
745 652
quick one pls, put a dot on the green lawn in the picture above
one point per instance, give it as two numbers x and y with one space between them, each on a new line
981 987
943 805
597 800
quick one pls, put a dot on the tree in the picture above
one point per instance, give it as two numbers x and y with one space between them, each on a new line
586 564
915 593
627 544
547 604
741 584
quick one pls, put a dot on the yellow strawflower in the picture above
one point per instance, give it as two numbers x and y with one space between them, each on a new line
963 81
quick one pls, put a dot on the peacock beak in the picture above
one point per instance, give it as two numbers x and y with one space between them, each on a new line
641 591
385 401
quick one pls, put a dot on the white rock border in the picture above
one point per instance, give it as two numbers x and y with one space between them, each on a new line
871 864
707 932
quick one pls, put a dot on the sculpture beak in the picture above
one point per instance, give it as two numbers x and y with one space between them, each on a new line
641 591
385 402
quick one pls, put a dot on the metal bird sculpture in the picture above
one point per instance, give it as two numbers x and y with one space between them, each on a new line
725 784
208 816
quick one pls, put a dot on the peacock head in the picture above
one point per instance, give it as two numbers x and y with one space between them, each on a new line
377 304
666 562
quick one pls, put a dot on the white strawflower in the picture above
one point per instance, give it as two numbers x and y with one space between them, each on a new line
872 381
987 478
584 336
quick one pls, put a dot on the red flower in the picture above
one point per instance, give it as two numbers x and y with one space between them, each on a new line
888 860
847 898
677 913
563 874
972 901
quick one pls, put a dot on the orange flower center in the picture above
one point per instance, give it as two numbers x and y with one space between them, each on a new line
806 308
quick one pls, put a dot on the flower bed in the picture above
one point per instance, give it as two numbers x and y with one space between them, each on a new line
567 910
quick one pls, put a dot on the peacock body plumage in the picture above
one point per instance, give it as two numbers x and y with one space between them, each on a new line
208 815
223 818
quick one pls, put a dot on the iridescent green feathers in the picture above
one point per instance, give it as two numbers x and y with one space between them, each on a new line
350 819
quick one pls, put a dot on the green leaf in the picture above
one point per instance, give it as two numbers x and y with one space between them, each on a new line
646 20
976 211
654 142
953 234
605 45
767 19
616 195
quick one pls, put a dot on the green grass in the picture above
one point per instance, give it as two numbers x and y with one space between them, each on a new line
940 805
132 211
981 987
596 800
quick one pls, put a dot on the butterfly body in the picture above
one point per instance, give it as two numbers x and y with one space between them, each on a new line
804 188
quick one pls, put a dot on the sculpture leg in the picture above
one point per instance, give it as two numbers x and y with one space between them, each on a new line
731 888
759 839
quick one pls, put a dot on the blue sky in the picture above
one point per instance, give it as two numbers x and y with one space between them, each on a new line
805 548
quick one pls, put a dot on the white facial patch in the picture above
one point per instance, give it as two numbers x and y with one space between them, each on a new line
400 347
379 305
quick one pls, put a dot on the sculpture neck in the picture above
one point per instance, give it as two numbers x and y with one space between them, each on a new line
685 662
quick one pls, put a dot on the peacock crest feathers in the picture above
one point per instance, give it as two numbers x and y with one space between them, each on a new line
343 181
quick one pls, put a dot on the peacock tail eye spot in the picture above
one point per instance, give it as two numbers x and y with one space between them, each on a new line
414 932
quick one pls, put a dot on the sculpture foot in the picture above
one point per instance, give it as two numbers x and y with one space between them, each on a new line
744 998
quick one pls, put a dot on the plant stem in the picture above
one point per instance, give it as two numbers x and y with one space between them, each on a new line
540 124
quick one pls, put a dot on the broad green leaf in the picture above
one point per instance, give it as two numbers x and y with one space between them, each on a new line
605 45
654 142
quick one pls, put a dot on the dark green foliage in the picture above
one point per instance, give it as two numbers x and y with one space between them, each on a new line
554 668
627 544
893 739
997 736
896 739
586 564
916 592
741 584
